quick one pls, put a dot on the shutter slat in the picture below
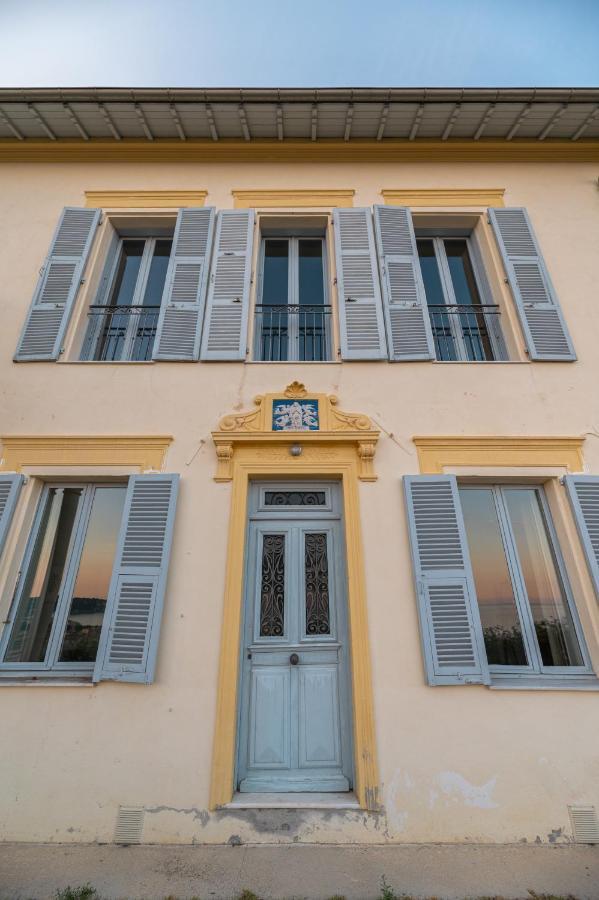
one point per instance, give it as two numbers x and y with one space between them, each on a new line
227 312
450 626
179 330
361 322
10 488
583 493
50 311
409 334
538 307
131 627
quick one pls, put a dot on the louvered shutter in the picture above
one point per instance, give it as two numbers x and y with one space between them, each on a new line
182 308
409 334
10 487
361 322
43 333
539 310
227 311
450 626
583 493
131 626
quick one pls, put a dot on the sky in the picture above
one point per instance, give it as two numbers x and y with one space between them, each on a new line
295 43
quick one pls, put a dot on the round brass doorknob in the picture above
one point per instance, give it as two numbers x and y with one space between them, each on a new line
294 659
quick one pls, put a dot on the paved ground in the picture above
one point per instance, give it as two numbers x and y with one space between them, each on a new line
298 871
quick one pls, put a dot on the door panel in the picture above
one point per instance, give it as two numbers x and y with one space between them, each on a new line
294 717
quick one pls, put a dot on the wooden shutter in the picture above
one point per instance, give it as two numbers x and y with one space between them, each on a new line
226 325
43 333
540 313
182 308
450 626
131 626
583 493
10 487
409 334
361 322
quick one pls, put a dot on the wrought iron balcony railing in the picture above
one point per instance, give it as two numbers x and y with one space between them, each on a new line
463 331
120 333
292 332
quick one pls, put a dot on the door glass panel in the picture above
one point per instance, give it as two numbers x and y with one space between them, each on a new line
37 607
272 586
497 605
86 611
550 612
318 619
272 324
440 322
472 322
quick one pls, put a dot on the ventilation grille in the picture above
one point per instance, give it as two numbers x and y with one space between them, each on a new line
585 825
129 825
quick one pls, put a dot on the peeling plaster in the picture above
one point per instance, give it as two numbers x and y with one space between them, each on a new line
456 788
200 815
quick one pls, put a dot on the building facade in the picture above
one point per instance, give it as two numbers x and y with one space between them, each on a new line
300 466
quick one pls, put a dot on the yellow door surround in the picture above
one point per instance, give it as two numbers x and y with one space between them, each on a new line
248 446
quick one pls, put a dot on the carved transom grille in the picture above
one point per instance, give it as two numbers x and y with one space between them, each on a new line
272 588
318 620
294 498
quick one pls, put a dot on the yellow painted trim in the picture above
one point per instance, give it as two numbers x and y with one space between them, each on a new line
436 453
144 199
294 198
148 452
298 151
444 197
259 457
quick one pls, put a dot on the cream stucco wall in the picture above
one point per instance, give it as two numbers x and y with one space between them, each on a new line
464 763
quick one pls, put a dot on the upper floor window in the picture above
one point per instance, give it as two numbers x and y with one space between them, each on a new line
123 320
463 326
293 313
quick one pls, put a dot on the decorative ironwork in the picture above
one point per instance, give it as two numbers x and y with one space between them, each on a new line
272 589
121 332
318 620
288 331
294 498
475 327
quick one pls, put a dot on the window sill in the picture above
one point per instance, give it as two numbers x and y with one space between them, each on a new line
107 362
544 683
17 679
293 801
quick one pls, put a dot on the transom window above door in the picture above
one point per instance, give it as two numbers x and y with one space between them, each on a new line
465 327
293 312
124 317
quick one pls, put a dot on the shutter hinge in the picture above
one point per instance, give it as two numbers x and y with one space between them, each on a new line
61 351
562 480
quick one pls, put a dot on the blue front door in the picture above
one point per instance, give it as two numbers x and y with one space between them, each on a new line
295 732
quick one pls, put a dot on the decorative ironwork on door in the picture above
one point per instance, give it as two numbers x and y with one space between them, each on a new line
294 498
318 619
272 587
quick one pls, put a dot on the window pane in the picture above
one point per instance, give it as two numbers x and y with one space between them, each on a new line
126 273
312 318
146 315
473 324
276 272
157 274
35 615
445 348
498 611
86 612
552 618
311 275
272 320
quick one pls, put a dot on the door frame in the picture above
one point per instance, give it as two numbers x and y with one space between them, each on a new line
247 450
331 516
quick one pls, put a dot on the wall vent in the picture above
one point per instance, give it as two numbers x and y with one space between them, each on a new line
584 824
129 825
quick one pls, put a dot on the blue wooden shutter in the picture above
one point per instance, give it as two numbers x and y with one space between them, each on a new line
10 487
583 493
182 308
538 307
409 334
131 626
43 333
227 310
361 322
450 627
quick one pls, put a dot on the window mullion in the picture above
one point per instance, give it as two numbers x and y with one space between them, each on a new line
450 298
68 581
520 592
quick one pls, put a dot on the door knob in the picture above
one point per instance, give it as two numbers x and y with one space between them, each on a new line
294 659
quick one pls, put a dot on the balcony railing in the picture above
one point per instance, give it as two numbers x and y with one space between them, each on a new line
463 331
120 333
292 332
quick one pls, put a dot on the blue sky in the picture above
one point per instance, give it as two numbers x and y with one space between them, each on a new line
276 43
